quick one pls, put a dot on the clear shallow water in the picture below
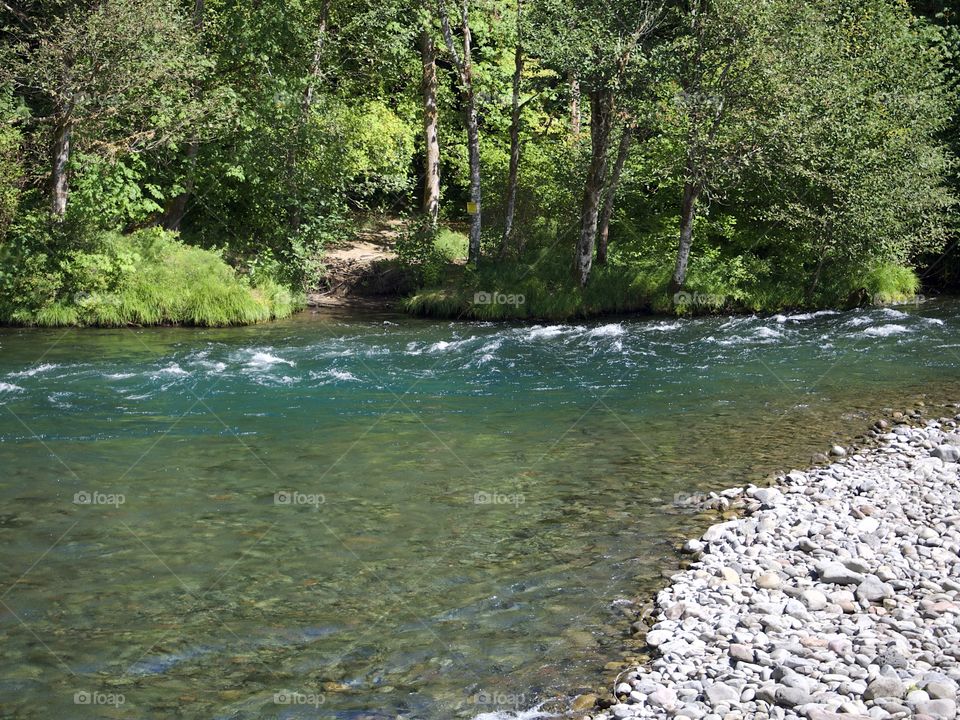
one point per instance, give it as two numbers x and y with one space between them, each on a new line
375 516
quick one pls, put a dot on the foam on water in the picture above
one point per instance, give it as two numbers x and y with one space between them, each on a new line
119 376
885 330
766 333
34 371
805 316
173 369
760 335
663 326
440 346
611 330
730 323
488 351
212 366
58 399
890 312
532 714
538 332
9 387
335 374
261 360
443 345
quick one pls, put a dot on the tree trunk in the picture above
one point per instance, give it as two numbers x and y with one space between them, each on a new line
823 250
608 203
178 206
473 140
514 138
465 66
688 213
59 185
294 211
811 291
473 137
177 210
574 106
428 87
601 115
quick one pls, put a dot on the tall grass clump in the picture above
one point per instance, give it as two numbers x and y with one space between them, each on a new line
145 278
891 283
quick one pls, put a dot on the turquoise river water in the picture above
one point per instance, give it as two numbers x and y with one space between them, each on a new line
371 516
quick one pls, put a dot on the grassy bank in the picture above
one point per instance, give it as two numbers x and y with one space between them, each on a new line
148 277
542 287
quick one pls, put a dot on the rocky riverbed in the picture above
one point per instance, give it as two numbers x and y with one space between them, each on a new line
836 595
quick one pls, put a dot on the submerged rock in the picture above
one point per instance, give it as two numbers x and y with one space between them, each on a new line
583 702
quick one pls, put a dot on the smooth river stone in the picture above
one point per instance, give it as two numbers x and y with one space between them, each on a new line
655 638
720 694
814 599
885 686
947 453
837 574
768 581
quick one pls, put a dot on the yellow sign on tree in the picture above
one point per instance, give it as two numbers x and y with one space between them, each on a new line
472 208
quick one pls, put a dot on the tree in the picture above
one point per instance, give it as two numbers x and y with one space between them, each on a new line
114 79
515 110
723 97
596 42
11 161
623 152
177 208
462 60
314 77
859 171
431 142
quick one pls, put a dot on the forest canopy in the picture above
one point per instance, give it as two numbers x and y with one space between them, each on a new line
591 156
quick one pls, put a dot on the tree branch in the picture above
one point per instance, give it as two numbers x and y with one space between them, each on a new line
448 37
17 13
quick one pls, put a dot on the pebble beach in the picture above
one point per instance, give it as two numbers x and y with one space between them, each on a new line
835 596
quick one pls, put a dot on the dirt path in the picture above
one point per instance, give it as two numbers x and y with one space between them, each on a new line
363 271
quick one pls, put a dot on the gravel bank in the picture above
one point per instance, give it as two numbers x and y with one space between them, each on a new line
837 595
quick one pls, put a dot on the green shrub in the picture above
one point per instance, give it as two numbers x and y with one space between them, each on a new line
427 251
451 244
11 168
889 283
146 278
540 286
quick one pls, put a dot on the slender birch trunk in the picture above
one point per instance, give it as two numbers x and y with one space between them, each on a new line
514 172
60 181
688 214
464 65
601 116
428 87
603 233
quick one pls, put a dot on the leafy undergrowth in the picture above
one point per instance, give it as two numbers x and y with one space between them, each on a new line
145 278
543 289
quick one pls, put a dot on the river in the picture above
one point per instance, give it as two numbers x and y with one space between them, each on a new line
373 516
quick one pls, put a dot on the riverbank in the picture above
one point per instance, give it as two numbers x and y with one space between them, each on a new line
542 287
837 594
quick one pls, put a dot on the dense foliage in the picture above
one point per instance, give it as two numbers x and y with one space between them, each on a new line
669 155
